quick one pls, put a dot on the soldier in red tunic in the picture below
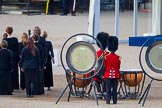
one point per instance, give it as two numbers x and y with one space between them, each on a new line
112 73
102 38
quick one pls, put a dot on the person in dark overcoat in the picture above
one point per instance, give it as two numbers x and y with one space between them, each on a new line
48 73
22 44
68 7
112 73
40 75
13 45
30 63
41 41
50 7
6 68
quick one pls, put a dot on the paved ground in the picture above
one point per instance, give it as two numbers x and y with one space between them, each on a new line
59 29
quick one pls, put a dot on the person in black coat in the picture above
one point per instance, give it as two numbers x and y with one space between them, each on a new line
6 67
48 74
68 6
22 44
40 75
41 41
50 7
30 63
13 45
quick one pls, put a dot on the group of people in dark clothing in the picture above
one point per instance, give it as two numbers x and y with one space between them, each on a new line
33 55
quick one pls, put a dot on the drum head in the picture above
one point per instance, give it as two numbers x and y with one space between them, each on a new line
151 58
81 57
154 57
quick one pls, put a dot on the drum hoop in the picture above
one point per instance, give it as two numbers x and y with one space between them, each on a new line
140 59
61 55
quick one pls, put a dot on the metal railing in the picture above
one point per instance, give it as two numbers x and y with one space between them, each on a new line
26 4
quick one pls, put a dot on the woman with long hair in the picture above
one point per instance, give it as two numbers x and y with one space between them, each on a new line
30 64
40 75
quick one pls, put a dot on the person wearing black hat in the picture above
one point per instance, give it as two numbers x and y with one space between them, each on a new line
112 73
102 37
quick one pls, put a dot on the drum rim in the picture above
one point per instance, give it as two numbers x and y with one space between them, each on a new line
62 50
68 58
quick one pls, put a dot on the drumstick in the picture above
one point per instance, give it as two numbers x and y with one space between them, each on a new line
102 55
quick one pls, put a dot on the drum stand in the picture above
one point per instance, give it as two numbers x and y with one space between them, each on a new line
121 88
126 89
68 85
145 94
93 85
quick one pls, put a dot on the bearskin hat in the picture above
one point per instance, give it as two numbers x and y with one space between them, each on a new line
112 43
102 37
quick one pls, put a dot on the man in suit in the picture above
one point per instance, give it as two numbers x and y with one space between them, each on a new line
41 41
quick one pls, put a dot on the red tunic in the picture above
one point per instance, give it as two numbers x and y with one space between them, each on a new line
99 53
112 63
